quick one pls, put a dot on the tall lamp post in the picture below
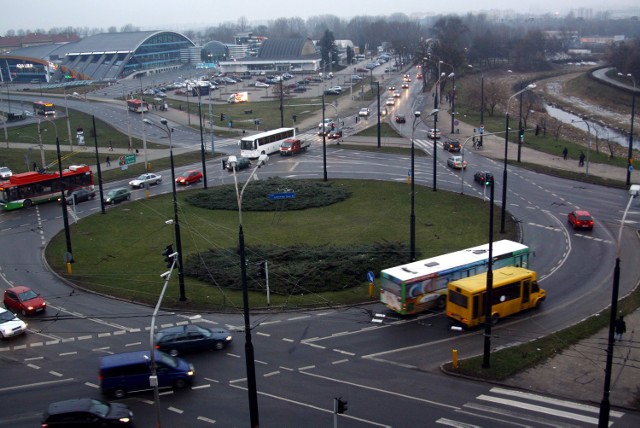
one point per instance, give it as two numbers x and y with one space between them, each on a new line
248 346
376 85
435 125
633 113
486 357
412 218
506 145
66 112
176 223
202 150
605 405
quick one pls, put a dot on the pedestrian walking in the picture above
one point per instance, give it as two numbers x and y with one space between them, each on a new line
108 161
565 153
620 328
34 166
581 161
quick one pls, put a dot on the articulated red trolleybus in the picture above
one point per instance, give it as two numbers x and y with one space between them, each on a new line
138 106
27 188
422 285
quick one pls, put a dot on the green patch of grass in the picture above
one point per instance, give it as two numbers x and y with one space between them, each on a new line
120 253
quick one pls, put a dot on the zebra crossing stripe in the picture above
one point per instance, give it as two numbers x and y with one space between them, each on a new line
539 409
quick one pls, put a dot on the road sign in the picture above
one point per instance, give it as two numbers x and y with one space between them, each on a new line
456 123
630 168
370 276
278 196
127 159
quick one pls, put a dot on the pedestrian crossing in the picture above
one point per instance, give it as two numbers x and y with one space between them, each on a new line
506 407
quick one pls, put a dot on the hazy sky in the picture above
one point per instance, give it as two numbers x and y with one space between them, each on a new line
181 15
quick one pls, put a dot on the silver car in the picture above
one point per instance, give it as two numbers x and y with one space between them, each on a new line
145 180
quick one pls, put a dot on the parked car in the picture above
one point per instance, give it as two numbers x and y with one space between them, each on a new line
261 85
10 324
144 180
189 338
5 172
580 219
74 197
481 177
241 163
117 195
300 88
456 162
400 118
332 91
87 412
451 145
189 177
433 133
24 300
364 112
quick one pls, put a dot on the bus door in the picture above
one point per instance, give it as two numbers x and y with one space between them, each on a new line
477 308
526 293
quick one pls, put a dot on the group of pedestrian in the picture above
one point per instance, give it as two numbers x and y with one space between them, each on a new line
565 154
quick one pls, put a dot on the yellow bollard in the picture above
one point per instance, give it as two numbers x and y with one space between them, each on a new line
454 358
69 269
371 289
147 193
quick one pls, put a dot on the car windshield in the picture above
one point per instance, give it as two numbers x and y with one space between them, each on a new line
142 177
27 295
100 408
167 359
6 316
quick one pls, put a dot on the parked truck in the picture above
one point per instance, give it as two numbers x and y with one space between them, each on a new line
293 146
238 97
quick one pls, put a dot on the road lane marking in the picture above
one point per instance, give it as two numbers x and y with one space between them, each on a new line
35 385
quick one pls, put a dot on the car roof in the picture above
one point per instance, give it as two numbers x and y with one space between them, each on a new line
581 212
19 288
74 405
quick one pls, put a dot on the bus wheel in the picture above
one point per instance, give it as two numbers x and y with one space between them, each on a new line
27 203
495 318
441 303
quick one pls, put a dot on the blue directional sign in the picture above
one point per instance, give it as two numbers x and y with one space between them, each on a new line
278 196
370 276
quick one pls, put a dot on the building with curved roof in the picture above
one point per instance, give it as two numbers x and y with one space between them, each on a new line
277 56
106 56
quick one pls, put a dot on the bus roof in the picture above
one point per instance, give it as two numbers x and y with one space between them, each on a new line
477 283
422 269
264 134
23 178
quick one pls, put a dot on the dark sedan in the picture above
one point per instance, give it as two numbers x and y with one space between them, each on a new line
80 195
481 177
191 337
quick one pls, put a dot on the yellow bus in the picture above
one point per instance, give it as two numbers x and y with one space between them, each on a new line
515 289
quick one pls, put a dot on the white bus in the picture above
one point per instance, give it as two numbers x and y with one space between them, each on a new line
252 146
418 286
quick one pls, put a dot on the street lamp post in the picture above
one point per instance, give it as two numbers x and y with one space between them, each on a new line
412 218
377 86
605 405
248 347
176 223
202 150
486 363
481 104
633 113
506 145
435 125
63 201
66 111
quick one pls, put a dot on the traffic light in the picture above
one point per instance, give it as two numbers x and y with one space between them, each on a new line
294 117
167 254
488 179
342 405
521 135
537 130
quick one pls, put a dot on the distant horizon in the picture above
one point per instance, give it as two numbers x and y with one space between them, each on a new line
163 14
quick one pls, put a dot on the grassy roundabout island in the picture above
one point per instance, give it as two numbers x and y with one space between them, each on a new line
319 246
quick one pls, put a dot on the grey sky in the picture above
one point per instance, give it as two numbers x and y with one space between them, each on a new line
181 15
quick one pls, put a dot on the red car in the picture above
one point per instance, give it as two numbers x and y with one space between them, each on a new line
580 219
188 177
24 300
